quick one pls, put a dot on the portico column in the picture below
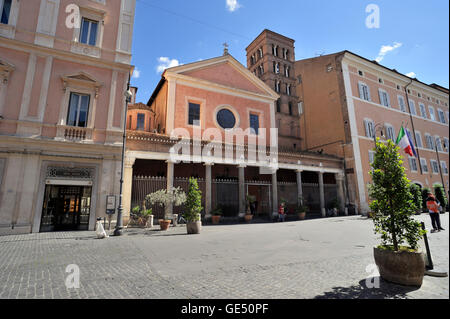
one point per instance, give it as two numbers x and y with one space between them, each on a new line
127 185
322 195
299 187
208 190
340 192
241 190
274 195
170 171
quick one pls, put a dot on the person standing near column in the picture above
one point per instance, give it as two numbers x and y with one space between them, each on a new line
433 209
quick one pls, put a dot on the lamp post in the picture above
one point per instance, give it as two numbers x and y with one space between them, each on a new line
439 164
119 224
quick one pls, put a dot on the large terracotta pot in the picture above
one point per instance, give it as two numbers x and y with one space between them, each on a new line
194 227
164 224
248 217
215 219
403 267
301 215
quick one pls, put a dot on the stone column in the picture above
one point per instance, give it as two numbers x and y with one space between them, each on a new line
299 187
340 193
170 171
208 190
126 187
322 195
274 195
241 190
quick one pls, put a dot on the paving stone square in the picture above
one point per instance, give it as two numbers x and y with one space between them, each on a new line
317 258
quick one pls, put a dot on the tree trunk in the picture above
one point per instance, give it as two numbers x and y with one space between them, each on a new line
394 235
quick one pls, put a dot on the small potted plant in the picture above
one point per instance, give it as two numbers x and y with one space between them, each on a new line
301 209
250 202
398 257
193 208
216 213
166 198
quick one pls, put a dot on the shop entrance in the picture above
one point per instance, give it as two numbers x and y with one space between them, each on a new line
66 208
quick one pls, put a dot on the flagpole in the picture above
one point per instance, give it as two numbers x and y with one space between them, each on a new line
412 125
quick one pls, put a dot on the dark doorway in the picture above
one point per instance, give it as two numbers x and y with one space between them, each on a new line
66 208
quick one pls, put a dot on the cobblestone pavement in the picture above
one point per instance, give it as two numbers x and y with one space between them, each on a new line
321 258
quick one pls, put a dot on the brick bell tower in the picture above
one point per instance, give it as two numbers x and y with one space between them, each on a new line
271 57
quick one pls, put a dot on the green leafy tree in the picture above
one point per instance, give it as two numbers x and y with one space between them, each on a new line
164 198
193 202
440 195
417 195
392 203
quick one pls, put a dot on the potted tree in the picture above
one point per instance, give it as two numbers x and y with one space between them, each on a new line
216 213
440 196
165 198
193 208
250 202
301 209
417 197
397 258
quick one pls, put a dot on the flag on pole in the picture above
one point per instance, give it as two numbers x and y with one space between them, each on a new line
404 142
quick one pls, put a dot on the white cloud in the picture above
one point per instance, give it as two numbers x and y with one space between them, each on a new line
233 5
165 62
411 74
385 49
136 73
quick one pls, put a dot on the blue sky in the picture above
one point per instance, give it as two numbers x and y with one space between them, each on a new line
413 34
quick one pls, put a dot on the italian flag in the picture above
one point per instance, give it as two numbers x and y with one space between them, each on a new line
404 142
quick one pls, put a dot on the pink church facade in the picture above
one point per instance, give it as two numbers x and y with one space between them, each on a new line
62 109
194 107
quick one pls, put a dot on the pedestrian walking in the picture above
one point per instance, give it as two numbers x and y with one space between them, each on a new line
281 213
433 209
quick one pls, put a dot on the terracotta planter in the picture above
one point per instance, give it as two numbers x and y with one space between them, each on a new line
194 227
215 219
404 268
164 224
301 215
248 217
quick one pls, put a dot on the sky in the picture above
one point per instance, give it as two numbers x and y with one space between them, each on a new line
411 36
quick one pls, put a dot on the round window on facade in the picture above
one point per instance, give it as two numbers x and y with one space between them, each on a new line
226 119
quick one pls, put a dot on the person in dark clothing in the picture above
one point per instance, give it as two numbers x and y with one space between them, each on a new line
433 209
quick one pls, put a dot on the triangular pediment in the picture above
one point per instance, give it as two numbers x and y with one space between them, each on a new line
224 71
82 77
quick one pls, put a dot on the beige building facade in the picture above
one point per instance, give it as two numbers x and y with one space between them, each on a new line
348 100
62 109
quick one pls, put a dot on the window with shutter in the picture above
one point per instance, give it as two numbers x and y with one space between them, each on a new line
423 163
418 139
432 117
412 107
401 103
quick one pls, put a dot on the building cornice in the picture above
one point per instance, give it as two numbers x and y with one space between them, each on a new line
350 57
64 55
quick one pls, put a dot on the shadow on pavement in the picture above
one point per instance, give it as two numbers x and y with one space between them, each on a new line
387 290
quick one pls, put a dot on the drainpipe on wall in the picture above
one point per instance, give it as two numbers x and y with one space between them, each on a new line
412 125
